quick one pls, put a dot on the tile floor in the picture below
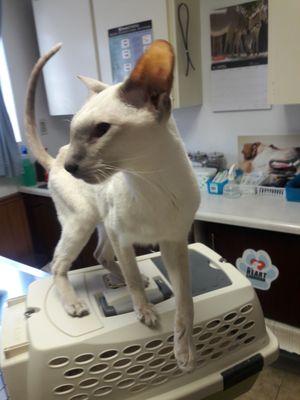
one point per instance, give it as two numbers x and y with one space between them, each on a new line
275 383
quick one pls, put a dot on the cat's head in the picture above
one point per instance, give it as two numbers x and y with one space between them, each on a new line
119 122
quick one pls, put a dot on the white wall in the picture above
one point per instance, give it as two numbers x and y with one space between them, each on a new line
201 129
205 130
21 50
7 187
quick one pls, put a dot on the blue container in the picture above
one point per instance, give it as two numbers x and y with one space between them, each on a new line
292 189
216 187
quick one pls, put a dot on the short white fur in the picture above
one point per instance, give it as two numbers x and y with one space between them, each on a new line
144 192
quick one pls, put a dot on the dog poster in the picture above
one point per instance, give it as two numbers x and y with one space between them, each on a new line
239 56
275 157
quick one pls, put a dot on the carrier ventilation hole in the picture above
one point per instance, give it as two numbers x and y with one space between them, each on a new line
249 325
165 351
126 383
157 362
130 350
171 339
88 383
58 362
217 355
136 369
80 396
247 309
159 380
84 358
169 367
225 344
98 368
232 332
205 336
223 328
102 391
112 376
215 340
178 372
146 376
154 344
64 389
241 336
240 320
108 354
122 363
231 316
199 346
196 330
213 324
172 356
207 351
144 357
138 388
249 340
73 373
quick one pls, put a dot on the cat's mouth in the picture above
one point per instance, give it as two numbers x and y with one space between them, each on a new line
93 177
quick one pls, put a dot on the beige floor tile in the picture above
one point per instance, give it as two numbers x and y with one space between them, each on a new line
286 394
291 383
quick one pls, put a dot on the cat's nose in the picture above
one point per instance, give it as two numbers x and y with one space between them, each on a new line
72 168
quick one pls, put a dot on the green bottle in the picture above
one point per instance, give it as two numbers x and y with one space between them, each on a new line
28 177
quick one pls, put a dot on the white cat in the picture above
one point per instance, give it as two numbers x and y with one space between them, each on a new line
126 172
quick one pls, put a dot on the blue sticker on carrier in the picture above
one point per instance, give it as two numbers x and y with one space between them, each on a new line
258 268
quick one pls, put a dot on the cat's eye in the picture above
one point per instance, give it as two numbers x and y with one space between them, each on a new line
100 129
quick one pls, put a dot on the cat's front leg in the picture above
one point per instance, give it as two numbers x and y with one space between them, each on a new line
175 257
145 311
74 236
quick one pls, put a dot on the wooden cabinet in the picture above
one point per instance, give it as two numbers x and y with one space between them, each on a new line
15 239
284 52
83 25
280 302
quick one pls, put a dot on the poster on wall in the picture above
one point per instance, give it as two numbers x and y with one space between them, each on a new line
126 44
273 159
239 56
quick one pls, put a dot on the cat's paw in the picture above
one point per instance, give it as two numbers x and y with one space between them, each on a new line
76 308
147 314
145 280
184 350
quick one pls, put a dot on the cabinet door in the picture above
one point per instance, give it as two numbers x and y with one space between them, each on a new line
284 53
15 239
70 22
280 302
110 14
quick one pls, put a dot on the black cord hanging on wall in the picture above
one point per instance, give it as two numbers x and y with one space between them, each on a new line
185 34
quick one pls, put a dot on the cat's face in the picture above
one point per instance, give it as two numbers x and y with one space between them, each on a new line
118 122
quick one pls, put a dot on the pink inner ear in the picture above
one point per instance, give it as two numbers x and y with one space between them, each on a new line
155 67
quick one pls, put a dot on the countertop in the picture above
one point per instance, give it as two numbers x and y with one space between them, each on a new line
252 211
15 278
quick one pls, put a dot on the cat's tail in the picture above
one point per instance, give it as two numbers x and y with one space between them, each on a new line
34 141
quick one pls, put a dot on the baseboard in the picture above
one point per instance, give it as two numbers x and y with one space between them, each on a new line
288 336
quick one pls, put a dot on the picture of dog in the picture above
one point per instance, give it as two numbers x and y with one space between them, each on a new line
279 164
126 172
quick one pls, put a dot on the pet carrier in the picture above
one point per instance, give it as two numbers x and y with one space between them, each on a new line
108 354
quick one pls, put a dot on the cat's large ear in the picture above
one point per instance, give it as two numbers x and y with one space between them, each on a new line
94 86
150 83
